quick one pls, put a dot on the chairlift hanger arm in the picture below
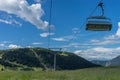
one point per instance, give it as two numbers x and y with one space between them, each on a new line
101 5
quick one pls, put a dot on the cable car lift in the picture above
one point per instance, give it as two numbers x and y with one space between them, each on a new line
99 23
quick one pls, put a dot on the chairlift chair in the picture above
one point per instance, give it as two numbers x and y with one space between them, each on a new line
99 23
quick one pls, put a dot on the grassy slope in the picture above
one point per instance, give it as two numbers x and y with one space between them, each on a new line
112 73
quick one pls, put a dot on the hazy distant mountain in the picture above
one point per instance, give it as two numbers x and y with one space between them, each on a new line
42 58
114 62
99 62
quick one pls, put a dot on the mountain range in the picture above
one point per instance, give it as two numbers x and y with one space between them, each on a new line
114 62
100 62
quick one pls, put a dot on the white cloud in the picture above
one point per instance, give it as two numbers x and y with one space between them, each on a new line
29 46
95 41
110 37
64 38
99 53
5 21
76 45
108 40
8 19
2 45
12 46
104 42
36 43
59 39
75 30
116 35
6 42
21 8
118 31
10 22
46 34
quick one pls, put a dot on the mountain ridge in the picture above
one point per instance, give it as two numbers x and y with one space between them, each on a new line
42 58
114 62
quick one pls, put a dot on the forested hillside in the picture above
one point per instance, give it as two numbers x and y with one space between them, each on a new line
41 58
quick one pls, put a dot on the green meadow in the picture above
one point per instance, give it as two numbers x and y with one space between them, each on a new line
109 73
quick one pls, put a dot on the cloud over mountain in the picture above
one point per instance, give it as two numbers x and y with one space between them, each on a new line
12 46
99 53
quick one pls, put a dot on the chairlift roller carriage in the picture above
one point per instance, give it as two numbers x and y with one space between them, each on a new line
99 23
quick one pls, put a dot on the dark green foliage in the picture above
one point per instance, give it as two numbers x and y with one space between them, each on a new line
7 63
73 61
47 56
43 58
22 56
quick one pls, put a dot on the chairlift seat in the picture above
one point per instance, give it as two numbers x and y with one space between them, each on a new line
98 23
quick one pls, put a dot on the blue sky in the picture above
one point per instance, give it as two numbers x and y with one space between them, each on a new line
25 23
